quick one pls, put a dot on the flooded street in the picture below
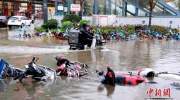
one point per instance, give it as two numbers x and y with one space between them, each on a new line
121 55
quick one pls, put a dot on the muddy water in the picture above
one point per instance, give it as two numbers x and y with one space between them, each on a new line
125 56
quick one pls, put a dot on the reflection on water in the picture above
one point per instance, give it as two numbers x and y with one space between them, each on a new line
109 89
123 55
4 84
15 37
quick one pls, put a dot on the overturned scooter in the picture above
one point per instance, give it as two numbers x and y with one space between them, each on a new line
70 69
9 71
112 78
38 72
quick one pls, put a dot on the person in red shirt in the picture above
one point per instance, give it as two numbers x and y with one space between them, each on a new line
109 77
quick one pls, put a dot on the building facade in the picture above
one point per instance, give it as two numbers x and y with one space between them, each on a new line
23 7
137 7
89 7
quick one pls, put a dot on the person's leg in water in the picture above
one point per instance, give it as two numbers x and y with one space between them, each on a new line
89 42
81 42
81 46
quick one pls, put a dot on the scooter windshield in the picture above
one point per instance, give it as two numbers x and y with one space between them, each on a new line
2 66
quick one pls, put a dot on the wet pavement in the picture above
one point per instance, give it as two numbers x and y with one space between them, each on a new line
121 55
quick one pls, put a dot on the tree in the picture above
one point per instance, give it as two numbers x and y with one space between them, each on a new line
72 18
152 4
179 4
87 8
101 9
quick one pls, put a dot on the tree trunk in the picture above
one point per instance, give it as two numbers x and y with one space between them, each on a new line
150 17
152 4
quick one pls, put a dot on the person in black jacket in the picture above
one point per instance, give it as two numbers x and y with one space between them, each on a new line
85 36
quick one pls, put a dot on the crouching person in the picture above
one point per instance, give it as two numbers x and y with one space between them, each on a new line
70 69
108 78
85 36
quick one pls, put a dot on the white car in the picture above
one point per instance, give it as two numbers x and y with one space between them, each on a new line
19 21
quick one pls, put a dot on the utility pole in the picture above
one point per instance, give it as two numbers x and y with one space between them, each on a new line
137 7
45 9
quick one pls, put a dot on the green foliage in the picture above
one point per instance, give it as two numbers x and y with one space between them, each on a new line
54 30
84 22
72 18
174 30
39 29
130 29
160 29
87 8
107 29
50 24
178 3
101 9
45 25
66 25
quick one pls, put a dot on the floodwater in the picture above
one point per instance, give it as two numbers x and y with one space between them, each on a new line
121 55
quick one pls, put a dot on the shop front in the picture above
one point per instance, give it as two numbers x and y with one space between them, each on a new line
23 7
